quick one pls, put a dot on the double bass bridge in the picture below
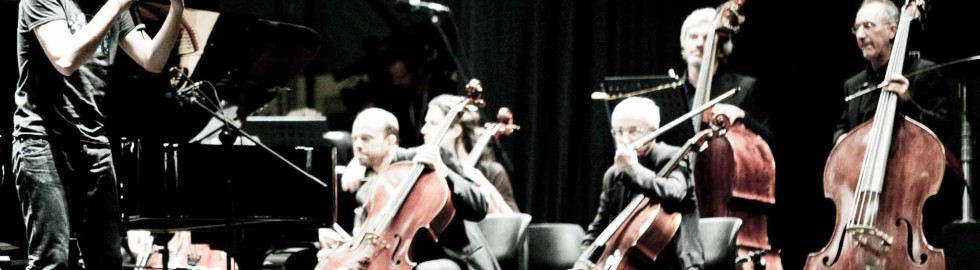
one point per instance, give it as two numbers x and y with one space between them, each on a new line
870 238
871 244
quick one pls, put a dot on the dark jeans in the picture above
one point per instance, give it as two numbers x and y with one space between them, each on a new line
68 188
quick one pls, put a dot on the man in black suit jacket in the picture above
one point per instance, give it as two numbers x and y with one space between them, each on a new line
746 106
635 172
923 98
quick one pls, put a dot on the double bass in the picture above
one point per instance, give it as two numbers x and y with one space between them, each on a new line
736 175
506 126
879 176
406 199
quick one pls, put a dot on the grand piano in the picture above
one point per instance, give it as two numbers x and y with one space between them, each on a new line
240 198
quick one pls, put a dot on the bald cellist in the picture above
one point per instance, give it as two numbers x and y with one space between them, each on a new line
375 135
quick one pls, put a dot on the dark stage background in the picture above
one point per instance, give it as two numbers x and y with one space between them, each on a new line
544 58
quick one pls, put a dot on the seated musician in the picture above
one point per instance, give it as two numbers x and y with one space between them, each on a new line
459 141
635 172
376 147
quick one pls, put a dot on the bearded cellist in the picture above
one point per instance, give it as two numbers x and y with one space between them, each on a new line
635 172
375 135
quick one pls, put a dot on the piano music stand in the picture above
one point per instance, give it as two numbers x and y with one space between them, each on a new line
288 130
194 97
672 101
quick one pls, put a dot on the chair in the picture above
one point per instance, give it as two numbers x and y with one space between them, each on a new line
554 245
718 235
506 235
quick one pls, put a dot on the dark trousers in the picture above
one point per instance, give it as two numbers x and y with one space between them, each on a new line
65 189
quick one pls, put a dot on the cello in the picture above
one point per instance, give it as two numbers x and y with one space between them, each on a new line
405 200
736 175
493 131
879 176
644 226
506 126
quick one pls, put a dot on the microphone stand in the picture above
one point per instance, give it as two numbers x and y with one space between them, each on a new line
193 96
966 155
433 14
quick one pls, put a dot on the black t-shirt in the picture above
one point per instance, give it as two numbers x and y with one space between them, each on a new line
48 103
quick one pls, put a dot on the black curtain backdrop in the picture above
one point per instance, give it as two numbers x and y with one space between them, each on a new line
543 59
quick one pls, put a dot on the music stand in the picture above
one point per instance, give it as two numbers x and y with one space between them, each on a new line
288 130
671 99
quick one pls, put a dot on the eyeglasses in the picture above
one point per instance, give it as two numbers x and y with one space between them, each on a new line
865 25
631 131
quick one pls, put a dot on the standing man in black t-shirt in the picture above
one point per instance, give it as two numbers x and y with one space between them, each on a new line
61 157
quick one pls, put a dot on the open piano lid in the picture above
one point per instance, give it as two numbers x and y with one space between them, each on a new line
249 61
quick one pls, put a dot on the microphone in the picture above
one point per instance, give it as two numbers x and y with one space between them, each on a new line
190 88
406 6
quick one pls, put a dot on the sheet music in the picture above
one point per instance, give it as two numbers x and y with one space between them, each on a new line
194 33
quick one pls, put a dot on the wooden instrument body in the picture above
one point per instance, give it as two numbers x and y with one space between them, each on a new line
915 170
736 177
432 210
879 176
647 231
643 228
407 198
